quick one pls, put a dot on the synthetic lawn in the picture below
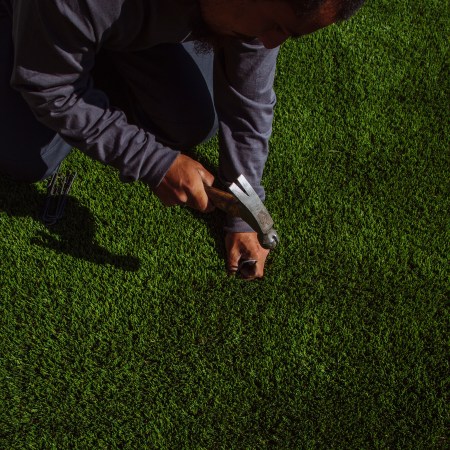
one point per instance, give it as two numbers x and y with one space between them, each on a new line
121 329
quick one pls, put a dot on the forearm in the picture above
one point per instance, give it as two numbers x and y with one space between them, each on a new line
87 122
55 52
245 99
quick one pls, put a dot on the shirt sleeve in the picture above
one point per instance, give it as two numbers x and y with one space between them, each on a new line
55 44
245 99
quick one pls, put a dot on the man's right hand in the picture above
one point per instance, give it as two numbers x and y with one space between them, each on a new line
183 184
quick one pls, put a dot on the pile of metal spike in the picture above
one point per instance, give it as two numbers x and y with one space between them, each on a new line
58 189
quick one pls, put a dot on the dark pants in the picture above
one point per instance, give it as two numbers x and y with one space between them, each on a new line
166 90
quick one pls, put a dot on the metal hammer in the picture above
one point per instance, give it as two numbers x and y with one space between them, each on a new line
244 202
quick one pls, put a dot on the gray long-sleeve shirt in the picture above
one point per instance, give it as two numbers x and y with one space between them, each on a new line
56 42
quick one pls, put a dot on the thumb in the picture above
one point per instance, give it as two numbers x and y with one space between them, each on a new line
233 255
233 262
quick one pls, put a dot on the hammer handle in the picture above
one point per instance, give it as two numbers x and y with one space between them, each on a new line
223 200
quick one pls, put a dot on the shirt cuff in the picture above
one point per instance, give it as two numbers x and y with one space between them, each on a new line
154 177
237 225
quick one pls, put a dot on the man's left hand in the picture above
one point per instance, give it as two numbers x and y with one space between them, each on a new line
245 246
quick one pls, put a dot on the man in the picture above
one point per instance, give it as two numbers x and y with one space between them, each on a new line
124 82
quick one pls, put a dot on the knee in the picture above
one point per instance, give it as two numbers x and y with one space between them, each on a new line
31 163
191 134
189 129
29 171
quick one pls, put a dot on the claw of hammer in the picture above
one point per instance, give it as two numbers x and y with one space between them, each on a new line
244 202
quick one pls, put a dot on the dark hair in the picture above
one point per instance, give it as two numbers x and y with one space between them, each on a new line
344 8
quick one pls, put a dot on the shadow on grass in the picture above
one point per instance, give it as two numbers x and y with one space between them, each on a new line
73 235
216 220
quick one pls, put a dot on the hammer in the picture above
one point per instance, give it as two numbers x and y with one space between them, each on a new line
244 202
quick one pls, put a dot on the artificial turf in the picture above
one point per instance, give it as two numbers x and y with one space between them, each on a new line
121 329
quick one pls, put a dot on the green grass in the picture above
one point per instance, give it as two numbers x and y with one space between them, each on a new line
121 329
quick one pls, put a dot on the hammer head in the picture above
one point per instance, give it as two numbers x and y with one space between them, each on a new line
253 211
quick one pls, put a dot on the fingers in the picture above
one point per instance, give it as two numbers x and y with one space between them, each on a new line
245 256
233 255
183 184
207 177
208 180
197 198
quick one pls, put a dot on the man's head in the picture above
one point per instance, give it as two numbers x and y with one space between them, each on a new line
344 8
273 21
